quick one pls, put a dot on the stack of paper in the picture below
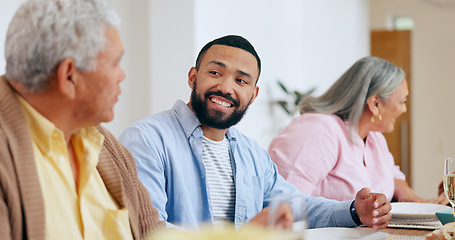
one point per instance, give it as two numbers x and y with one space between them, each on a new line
422 223
416 215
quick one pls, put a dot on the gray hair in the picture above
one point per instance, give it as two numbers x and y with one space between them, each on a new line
347 97
43 33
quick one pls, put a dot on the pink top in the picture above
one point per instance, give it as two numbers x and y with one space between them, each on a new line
315 154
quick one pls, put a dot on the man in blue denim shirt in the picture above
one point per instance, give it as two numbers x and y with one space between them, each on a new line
187 155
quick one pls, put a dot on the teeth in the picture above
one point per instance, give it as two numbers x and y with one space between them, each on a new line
224 104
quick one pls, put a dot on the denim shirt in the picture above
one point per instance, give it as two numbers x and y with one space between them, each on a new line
167 148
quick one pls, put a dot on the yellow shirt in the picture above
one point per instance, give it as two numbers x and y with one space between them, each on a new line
89 212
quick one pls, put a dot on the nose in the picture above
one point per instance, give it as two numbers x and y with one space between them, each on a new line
121 75
226 85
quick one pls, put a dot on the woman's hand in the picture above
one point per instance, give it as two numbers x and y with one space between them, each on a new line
441 198
403 193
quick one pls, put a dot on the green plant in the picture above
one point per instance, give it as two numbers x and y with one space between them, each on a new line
291 104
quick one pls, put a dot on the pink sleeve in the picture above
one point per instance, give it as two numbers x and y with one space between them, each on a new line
398 174
306 151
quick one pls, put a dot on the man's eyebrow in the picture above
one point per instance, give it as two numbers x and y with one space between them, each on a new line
224 66
244 74
217 63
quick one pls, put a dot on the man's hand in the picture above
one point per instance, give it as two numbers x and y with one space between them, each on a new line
372 208
284 219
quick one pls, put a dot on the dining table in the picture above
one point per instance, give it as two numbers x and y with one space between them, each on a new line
405 233
412 220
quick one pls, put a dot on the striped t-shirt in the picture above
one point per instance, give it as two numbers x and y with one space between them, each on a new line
220 179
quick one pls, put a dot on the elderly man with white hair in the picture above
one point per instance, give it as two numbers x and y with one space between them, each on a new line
62 175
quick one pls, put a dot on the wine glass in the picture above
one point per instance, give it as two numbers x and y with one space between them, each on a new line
449 181
297 204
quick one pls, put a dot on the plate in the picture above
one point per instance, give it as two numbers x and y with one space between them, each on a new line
333 233
416 210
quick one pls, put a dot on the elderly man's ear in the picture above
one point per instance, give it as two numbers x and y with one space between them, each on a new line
67 78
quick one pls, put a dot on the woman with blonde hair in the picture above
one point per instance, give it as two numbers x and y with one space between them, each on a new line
336 147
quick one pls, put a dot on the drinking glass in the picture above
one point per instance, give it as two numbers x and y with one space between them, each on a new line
298 206
449 181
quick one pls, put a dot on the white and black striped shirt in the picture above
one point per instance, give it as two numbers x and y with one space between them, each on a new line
220 180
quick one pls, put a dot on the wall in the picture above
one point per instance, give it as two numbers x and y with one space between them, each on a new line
6 13
433 83
158 37
135 101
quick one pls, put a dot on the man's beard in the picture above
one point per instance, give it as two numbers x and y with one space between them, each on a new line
214 118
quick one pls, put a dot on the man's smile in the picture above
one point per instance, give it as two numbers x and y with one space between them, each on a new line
220 102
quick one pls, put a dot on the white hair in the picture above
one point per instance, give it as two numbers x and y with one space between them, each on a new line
42 33
347 97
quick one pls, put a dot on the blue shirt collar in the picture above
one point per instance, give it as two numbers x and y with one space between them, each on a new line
190 122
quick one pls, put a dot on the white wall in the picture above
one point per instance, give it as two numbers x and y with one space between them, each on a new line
433 84
7 10
135 101
158 37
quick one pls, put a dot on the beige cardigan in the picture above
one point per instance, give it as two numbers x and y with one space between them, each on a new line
21 200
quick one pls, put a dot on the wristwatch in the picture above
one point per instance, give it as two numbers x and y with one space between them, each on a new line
354 215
